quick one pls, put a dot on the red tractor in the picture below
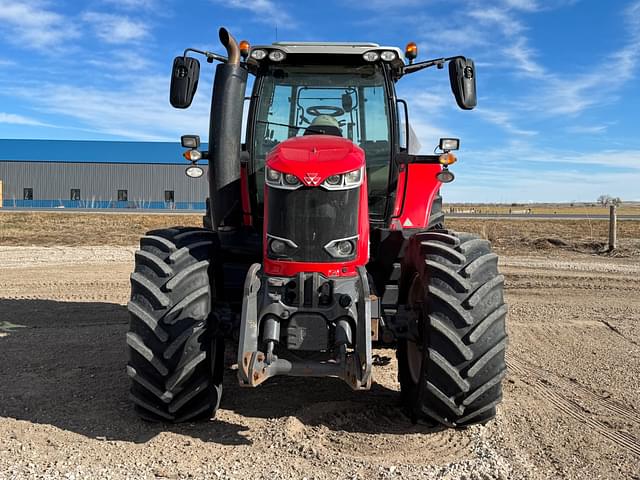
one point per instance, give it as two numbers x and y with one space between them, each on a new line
324 236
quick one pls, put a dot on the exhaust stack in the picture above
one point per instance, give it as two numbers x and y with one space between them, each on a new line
225 126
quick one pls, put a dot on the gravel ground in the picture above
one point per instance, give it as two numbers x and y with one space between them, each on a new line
571 407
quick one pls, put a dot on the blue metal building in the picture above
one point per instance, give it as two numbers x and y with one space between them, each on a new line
96 174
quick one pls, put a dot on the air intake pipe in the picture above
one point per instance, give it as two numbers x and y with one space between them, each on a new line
225 126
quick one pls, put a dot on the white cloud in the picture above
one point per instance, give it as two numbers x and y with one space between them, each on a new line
588 129
457 38
116 28
112 62
503 119
538 186
518 151
429 103
427 134
500 18
517 49
537 5
387 5
522 171
32 24
132 4
14 119
139 111
523 56
264 11
526 5
571 95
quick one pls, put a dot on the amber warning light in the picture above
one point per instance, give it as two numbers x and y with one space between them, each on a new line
447 158
411 51
244 48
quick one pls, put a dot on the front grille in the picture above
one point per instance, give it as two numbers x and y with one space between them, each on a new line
311 217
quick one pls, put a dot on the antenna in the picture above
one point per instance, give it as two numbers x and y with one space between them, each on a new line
276 32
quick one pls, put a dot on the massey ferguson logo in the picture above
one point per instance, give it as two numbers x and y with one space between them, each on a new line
312 179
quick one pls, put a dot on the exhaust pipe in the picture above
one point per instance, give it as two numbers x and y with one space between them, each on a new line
228 42
225 125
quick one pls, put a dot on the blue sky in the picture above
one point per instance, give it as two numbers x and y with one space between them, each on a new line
557 79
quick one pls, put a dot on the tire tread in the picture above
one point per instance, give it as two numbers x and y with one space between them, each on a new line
170 340
464 333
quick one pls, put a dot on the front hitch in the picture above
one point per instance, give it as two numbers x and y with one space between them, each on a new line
256 366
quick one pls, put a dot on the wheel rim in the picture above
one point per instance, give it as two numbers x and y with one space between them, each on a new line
414 352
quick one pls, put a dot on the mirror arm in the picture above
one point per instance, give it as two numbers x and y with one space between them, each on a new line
439 62
210 55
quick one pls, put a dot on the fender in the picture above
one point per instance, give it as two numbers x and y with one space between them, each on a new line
417 188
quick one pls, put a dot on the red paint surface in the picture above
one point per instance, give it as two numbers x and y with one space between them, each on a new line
418 185
313 158
324 156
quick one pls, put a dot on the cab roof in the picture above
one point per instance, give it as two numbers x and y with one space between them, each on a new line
331 48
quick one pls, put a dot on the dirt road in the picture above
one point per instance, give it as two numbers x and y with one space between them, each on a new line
571 407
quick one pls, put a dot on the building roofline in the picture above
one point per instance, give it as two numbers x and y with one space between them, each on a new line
90 162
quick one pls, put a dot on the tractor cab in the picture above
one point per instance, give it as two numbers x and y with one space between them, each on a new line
340 89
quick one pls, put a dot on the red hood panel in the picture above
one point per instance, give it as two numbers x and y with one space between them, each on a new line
316 156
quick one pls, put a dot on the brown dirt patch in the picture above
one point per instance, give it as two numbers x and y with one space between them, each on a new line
524 236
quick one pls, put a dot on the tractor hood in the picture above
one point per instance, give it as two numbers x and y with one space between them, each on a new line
313 158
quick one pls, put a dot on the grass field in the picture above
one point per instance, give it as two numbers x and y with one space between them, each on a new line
51 229
48 229
632 208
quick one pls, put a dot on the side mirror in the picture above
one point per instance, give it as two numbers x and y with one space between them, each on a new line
184 81
462 74
347 102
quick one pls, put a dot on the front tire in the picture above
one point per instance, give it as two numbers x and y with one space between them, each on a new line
175 356
451 371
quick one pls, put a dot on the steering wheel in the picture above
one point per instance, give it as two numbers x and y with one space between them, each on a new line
325 110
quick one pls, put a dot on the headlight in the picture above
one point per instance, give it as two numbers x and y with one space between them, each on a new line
388 55
280 247
194 171
292 180
276 55
277 246
258 54
276 179
371 56
353 178
334 180
342 247
273 176
344 181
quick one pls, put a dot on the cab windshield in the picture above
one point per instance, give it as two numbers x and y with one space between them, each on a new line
292 96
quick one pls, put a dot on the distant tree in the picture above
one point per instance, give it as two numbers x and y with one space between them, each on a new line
605 200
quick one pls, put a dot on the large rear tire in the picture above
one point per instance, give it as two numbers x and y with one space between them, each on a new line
175 355
451 371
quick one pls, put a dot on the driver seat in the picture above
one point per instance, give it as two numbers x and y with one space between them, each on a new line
324 125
